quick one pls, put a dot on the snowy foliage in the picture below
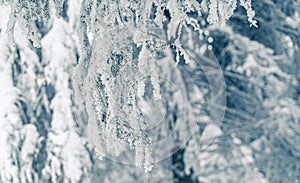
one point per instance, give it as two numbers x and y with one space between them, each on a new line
145 75
120 43
38 130
221 11
261 123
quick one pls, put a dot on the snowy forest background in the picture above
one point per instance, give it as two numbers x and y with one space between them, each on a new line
44 129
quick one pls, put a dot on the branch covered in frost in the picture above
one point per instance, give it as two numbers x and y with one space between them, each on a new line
121 42
30 15
219 11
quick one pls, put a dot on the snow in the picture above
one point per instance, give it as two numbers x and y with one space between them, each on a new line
147 82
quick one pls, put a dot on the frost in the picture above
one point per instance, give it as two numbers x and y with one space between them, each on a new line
141 77
120 43
32 14
221 10
250 12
